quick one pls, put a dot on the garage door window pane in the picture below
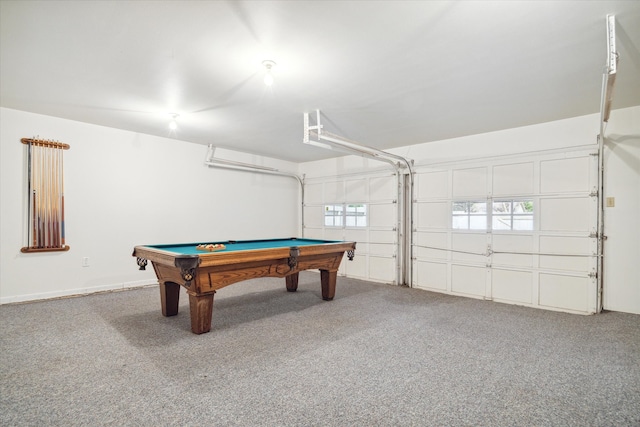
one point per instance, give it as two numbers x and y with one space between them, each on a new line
469 215
524 222
512 215
356 216
333 215
501 222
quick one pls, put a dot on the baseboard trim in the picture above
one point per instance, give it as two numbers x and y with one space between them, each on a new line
70 293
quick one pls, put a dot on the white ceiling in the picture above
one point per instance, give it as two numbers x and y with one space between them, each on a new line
384 73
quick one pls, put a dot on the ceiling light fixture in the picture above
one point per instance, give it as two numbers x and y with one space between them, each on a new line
173 125
268 77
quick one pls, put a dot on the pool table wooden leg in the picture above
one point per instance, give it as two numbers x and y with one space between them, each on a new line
292 282
328 280
169 297
201 308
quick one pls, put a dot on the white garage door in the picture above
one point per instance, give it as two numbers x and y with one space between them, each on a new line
516 230
376 236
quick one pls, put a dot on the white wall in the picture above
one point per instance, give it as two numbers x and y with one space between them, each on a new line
622 180
622 221
124 189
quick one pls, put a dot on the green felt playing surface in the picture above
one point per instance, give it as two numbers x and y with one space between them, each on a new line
240 245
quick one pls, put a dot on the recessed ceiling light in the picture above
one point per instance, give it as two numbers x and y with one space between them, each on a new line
173 125
268 77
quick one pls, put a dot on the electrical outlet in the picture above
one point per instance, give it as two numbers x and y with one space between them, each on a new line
85 261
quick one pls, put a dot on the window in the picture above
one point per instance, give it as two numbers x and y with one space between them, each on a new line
349 215
469 215
512 215
333 215
502 215
356 215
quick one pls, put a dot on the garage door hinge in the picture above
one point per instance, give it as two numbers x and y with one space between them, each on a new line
593 275
594 193
596 235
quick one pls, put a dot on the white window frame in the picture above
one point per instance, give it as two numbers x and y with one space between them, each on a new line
489 214
469 214
334 215
512 215
346 215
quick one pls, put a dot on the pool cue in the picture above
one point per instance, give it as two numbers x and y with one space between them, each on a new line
52 215
42 227
45 195
56 238
34 232
57 198
54 199
52 212
50 172
62 239
62 242
29 207
36 194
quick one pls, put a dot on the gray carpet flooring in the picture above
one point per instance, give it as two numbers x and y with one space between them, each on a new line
376 355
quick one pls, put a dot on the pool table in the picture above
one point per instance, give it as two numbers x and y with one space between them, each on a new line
203 272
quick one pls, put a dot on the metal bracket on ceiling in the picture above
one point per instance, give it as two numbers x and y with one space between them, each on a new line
316 130
610 71
329 141
612 59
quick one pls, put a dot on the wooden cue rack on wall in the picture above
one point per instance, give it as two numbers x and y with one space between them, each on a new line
45 196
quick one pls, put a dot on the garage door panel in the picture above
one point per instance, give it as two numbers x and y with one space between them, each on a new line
382 215
383 188
427 241
565 214
565 175
564 245
333 234
358 236
357 189
564 292
378 249
469 182
355 235
382 269
432 185
433 215
514 286
313 216
468 280
476 244
356 268
313 193
513 260
333 192
382 236
431 275
314 233
564 263
513 179
512 243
